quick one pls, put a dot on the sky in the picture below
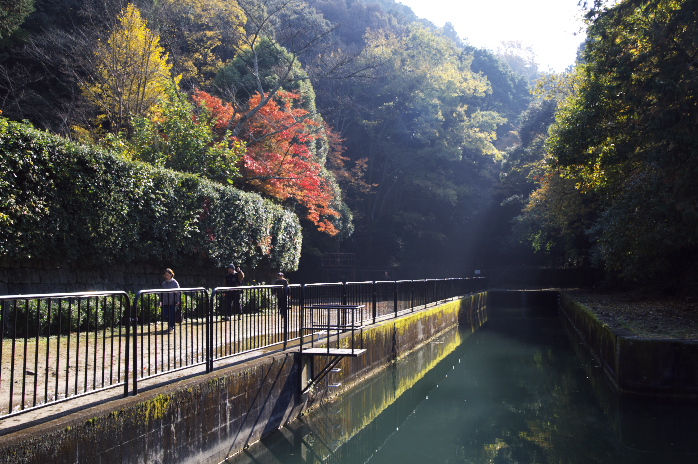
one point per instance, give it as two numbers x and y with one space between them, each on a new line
552 28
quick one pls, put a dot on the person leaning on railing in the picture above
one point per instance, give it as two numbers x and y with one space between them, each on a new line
171 301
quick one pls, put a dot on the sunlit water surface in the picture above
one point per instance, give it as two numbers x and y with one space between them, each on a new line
514 391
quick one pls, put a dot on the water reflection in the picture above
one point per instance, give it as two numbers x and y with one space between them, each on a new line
514 391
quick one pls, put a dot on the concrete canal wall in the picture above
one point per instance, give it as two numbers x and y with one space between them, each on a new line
634 365
637 366
208 417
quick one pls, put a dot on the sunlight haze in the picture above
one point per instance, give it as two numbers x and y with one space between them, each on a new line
552 28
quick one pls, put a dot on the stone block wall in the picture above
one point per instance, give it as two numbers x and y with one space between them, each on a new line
43 276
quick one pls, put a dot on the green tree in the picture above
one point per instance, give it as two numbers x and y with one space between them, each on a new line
12 15
183 137
627 134
429 148
201 36
510 94
521 59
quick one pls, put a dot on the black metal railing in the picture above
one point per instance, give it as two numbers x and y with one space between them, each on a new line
169 331
59 346
247 319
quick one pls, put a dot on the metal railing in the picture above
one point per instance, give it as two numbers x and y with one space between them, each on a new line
246 319
170 331
59 346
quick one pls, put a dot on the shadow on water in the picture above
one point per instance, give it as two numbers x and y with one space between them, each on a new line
512 392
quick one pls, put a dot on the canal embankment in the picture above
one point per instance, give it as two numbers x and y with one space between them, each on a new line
211 416
635 365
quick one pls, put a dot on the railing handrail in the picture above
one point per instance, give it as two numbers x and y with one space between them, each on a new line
165 290
43 296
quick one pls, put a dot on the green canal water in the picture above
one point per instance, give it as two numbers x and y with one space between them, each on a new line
515 390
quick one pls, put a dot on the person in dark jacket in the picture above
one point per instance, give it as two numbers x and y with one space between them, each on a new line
171 301
233 278
282 294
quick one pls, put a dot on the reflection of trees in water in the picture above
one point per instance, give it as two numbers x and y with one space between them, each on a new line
513 392
545 411
355 425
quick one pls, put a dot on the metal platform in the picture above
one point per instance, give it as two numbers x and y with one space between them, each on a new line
333 352
332 322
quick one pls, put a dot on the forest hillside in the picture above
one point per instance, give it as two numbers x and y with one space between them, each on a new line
390 138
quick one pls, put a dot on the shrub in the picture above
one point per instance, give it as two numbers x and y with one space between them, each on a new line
64 201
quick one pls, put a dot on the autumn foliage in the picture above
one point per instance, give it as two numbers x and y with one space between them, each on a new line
131 71
279 161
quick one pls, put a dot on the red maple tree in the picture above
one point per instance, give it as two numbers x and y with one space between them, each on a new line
279 162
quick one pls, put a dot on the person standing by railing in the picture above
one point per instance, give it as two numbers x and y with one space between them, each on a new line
233 278
171 302
282 294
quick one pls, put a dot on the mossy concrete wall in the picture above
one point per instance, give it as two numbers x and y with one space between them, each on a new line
193 420
636 365
394 338
208 417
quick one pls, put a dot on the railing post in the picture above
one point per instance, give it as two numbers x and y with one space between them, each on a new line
412 295
286 312
129 320
302 315
209 332
374 301
395 298
135 343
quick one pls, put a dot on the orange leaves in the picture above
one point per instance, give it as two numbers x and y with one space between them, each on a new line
222 113
280 161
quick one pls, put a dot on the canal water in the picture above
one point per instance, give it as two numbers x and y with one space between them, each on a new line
516 390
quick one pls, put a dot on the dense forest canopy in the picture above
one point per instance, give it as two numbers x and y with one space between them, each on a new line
617 181
391 138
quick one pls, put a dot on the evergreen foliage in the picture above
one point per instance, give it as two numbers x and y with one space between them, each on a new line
389 147
64 201
12 15
625 139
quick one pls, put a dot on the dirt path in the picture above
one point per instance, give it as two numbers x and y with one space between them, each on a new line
35 372
49 369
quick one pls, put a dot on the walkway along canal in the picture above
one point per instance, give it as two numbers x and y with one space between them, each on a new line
232 405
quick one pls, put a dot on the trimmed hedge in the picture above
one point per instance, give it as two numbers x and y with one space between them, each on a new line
64 201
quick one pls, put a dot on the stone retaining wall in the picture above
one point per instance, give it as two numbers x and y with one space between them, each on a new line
211 416
43 276
636 365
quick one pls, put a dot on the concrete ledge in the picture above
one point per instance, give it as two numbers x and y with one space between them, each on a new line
225 409
635 365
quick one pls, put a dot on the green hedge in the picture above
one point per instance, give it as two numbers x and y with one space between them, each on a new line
64 201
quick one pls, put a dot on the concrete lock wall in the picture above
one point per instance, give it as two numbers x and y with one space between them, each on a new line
636 365
208 417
